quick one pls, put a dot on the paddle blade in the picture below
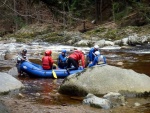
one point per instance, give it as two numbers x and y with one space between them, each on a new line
54 74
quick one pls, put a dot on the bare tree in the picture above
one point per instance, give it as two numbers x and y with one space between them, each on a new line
16 15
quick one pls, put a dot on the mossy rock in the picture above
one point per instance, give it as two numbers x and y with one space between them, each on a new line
111 34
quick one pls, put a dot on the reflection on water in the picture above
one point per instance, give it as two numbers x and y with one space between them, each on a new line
45 91
137 62
145 108
140 66
4 69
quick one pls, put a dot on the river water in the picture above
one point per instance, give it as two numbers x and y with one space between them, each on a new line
44 91
135 58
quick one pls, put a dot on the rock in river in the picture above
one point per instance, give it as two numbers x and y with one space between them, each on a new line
8 83
100 80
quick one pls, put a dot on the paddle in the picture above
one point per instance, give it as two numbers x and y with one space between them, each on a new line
53 72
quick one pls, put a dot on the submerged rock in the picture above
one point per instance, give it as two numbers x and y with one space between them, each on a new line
115 98
95 101
100 80
13 71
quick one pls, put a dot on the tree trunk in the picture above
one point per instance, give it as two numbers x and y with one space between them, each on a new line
26 11
97 4
113 11
64 16
15 15
101 4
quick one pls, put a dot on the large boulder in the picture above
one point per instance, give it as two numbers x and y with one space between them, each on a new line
135 40
124 41
109 43
101 43
83 43
100 80
9 83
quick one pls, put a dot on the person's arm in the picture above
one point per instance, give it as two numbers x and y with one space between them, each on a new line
90 55
51 62
83 60
93 63
25 58
18 58
21 58
104 58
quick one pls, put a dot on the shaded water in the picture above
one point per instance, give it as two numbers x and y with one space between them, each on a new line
137 59
45 91
139 63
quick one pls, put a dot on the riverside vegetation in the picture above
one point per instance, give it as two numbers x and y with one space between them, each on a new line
44 33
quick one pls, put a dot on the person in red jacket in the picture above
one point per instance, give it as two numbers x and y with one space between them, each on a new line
74 59
47 61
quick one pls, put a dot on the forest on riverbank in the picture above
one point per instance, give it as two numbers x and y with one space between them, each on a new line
76 15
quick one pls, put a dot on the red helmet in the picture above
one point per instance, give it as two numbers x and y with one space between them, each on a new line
48 52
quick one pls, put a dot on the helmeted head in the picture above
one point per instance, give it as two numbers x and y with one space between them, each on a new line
64 51
48 53
96 47
97 53
79 49
24 51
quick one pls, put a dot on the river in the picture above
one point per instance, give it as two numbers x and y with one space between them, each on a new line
44 91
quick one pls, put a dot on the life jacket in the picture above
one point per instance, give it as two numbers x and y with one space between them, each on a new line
47 62
101 60
62 58
77 55
91 54
21 58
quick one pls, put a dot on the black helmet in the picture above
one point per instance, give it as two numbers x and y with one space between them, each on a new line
24 51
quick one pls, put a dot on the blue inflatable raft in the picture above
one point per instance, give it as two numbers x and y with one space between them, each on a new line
35 70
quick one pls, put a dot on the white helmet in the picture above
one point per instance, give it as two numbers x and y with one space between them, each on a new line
97 53
96 46
84 52
79 49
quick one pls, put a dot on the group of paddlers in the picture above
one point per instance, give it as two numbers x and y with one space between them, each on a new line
65 61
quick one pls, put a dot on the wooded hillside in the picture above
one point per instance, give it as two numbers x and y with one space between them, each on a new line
16 14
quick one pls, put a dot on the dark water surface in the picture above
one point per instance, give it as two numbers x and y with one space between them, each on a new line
45 91
137 59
